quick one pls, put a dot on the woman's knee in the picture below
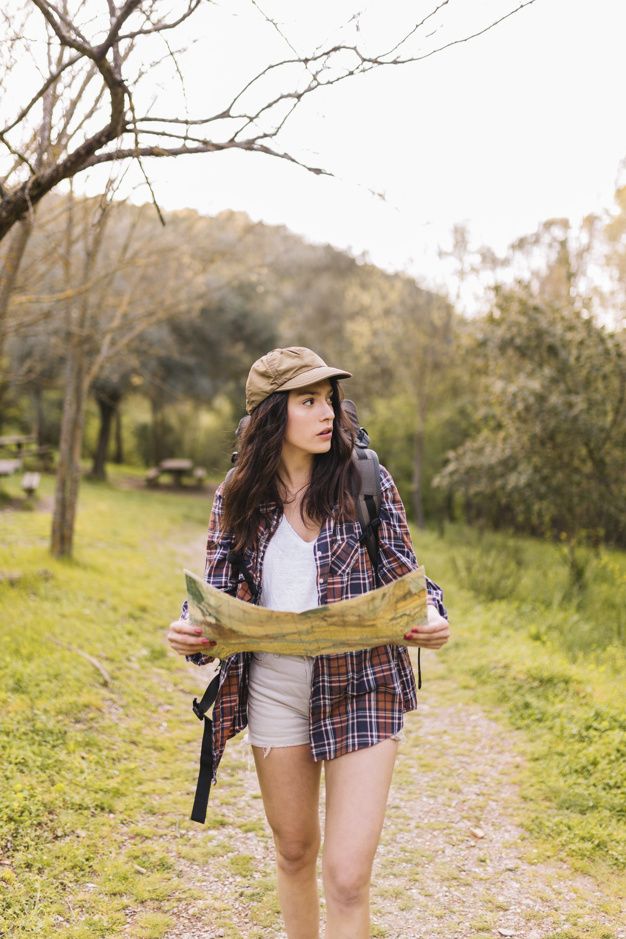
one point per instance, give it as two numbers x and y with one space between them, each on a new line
296 854
346 883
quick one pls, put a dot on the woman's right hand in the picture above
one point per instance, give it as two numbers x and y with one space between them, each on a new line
433 634
185 638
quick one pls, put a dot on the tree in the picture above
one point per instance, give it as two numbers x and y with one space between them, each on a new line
548 455
96 60
402 335
201 354
112 298
108 390
615 239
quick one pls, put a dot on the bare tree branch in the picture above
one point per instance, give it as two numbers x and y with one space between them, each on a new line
162 27
252 146
49 82
73 114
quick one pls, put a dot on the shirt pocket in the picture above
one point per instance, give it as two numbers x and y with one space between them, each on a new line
344 555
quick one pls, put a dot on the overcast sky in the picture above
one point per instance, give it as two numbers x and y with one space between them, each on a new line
521 124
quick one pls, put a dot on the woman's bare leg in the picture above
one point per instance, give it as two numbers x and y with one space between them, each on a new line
290 784
357 786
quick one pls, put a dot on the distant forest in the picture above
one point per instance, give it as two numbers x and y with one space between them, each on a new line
512 417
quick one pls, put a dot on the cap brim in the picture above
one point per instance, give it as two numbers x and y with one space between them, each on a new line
312 376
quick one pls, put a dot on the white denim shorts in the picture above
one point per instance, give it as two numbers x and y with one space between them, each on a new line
279 692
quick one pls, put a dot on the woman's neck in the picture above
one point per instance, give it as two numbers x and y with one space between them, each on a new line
295 470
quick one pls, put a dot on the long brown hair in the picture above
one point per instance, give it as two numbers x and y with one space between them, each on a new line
255 479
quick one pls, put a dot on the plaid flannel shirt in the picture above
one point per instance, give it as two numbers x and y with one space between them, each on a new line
357 698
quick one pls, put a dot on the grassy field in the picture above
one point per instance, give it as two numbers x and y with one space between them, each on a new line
97 777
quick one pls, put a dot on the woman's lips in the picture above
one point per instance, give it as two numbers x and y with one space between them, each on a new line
325 433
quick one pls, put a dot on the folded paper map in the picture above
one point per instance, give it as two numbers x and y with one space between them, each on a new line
375 618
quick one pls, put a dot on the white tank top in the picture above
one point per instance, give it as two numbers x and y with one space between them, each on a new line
289 580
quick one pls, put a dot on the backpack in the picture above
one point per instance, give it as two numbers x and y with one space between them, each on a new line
368 500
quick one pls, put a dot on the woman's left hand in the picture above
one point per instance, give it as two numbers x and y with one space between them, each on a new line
432 635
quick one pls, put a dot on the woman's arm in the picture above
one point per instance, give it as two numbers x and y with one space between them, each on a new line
396 555
218 570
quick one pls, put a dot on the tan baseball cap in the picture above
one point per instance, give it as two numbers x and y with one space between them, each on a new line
284 370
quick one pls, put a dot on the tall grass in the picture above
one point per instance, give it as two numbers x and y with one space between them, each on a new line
581 619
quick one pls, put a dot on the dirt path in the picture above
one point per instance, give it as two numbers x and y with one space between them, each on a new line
453 862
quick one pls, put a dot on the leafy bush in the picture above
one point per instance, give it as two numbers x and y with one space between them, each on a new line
579 620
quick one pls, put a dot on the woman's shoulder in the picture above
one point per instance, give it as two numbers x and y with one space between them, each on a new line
389 492
220 489
217 497
386 479
217 506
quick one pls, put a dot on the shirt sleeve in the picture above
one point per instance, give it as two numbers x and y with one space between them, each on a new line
396 554
218 570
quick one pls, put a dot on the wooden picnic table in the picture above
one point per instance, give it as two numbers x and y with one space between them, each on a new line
25 446
177 468
17 442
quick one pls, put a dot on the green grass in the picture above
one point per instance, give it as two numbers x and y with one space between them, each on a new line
94 786
91 773
552 668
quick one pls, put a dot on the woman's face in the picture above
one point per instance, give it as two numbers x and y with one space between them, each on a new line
309 414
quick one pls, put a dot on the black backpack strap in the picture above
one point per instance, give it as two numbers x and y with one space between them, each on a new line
237 561
368 501
203 786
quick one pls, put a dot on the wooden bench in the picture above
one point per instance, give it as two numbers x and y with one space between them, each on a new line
152 476
8 467
30 483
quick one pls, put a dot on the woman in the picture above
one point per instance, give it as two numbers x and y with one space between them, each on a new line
288 508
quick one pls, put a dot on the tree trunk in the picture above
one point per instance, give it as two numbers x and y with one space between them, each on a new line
107 407
9 271
68 474
39 421
118 456
416 487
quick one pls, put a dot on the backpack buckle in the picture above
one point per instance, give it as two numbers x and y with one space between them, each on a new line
197 710
370 529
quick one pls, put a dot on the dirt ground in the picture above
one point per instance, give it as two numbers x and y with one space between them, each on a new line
453 861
